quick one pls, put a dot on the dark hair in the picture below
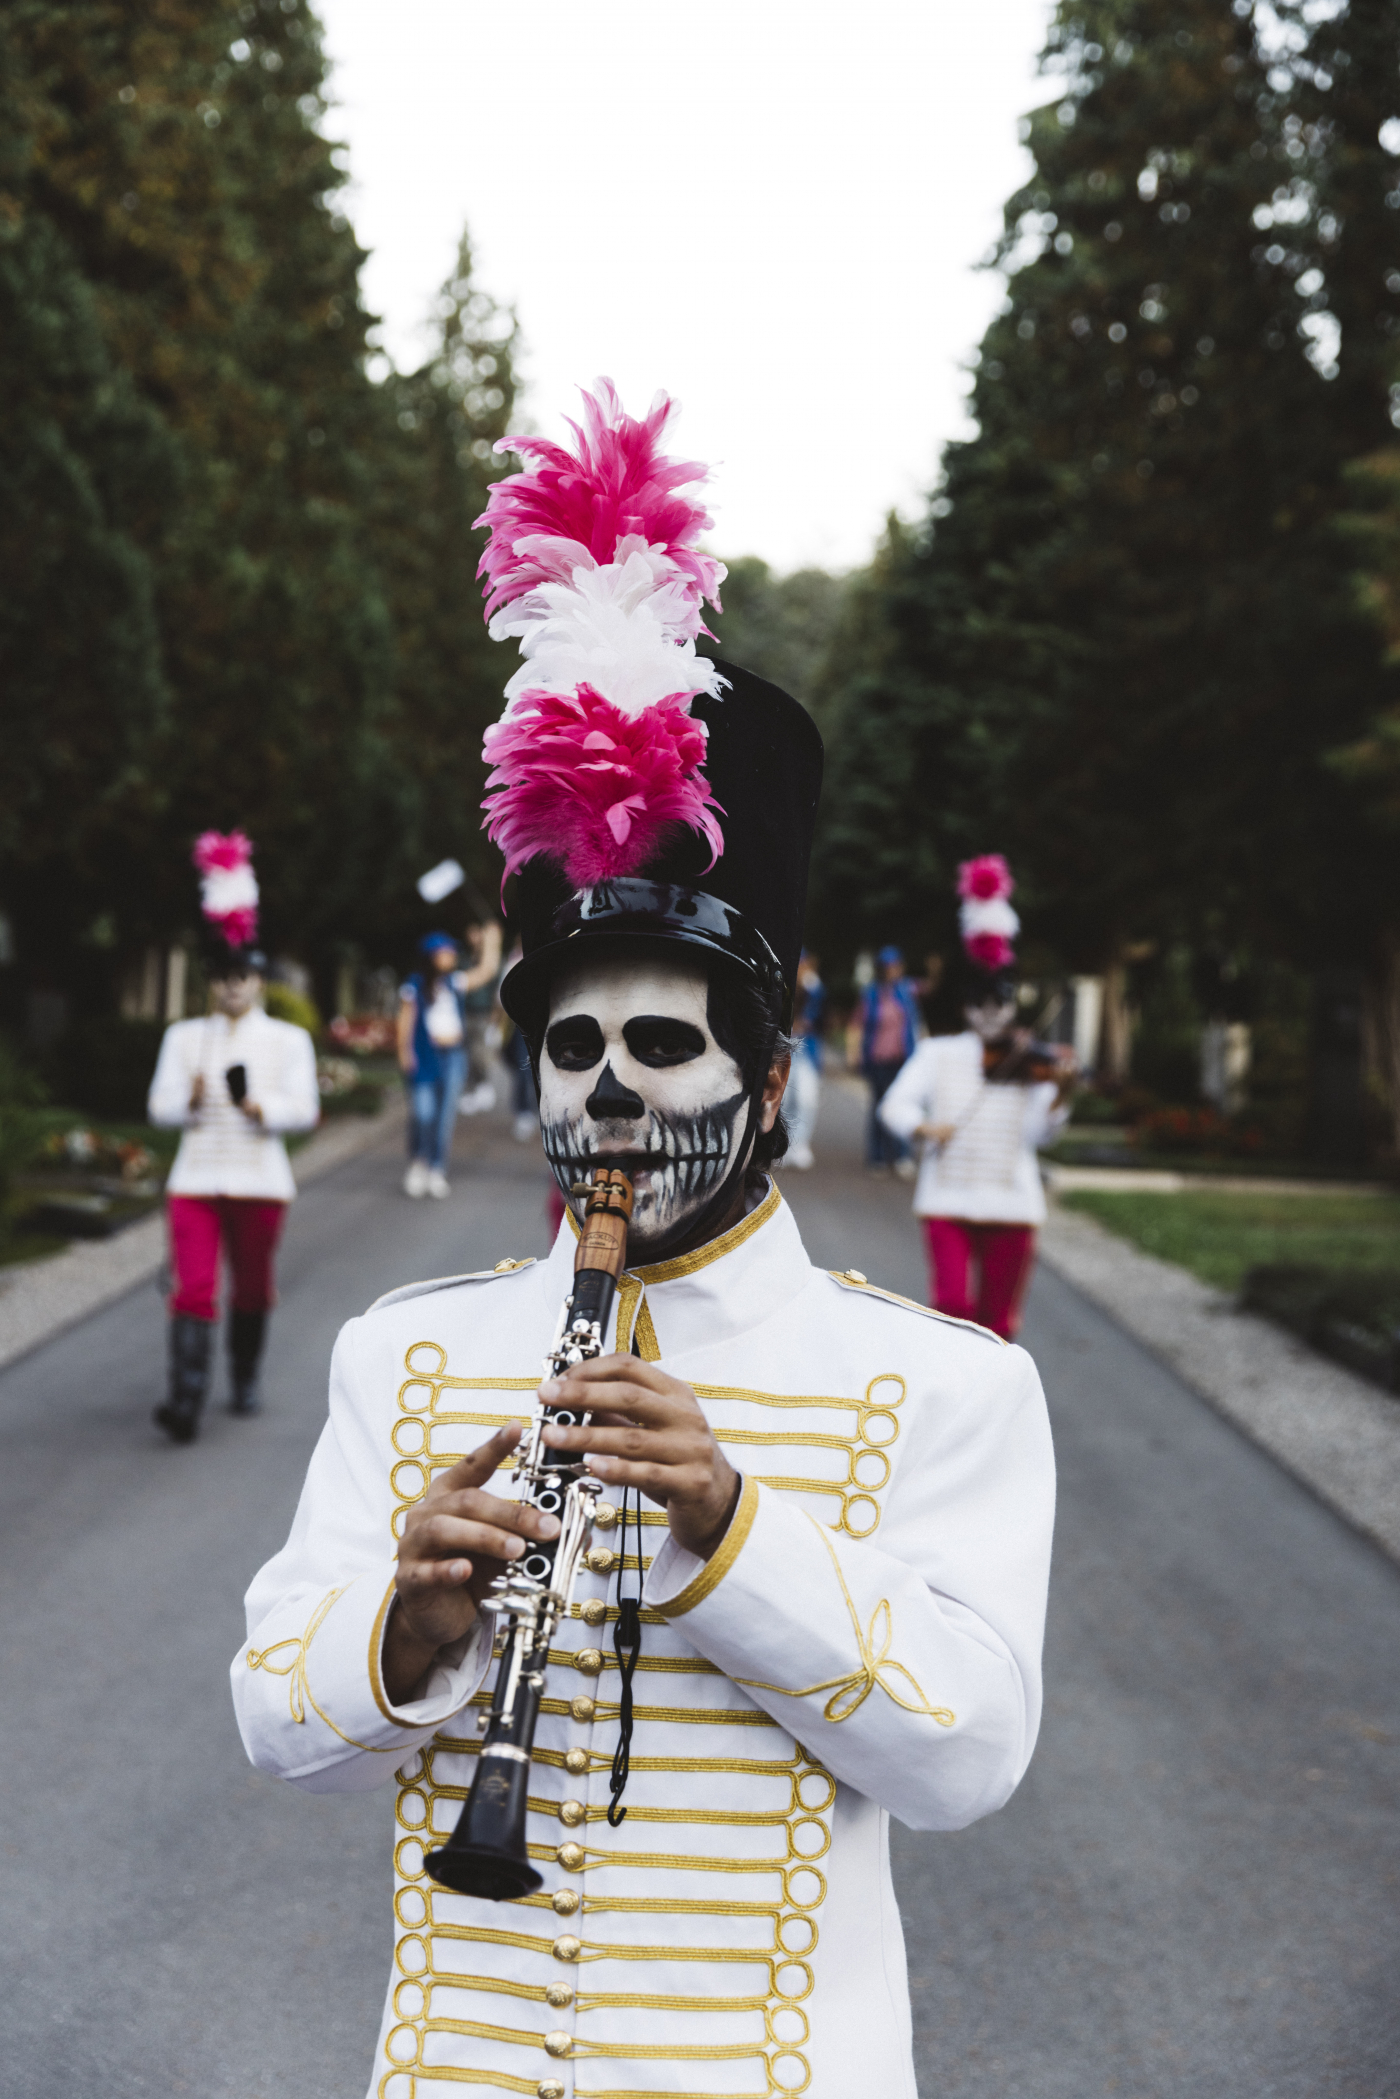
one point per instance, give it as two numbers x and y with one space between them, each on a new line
981 987
746 1027
222 963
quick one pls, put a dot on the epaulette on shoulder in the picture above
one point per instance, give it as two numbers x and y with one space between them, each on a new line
852 1279
405 1291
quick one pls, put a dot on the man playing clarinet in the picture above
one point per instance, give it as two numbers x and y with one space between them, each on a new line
812 1588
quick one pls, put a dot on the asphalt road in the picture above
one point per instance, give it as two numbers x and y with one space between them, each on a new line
1196 1891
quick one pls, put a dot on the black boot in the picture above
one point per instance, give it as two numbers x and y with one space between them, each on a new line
245 1344
190 1341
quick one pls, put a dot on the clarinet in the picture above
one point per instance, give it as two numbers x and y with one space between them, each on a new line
486 1855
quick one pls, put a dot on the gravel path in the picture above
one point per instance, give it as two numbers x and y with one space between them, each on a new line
1333 1431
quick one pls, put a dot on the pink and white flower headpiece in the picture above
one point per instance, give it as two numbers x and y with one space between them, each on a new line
593 568
229 890
985 919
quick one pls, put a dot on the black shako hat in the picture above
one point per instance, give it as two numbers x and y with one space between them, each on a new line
763 764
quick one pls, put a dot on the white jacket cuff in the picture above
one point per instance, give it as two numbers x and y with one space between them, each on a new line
908 1697
309 1685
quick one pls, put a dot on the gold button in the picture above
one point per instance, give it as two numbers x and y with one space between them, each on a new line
571 1813
558 1994
558 2043
550 2089
588 1661
567 1948
582 1708
604 1516
600 1559
564 1903
853 1275
594 1612
504 1267
570 1857
576 1760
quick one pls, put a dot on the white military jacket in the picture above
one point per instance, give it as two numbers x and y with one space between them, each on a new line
865 1642
222 1152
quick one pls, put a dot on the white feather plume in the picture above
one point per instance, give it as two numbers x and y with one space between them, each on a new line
988 914
619 627
227 889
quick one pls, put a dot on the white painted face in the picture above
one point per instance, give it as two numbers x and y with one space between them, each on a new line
631 1075
991 1019
235 996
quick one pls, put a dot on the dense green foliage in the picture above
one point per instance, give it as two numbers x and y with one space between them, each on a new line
1125 643
238 556
782 627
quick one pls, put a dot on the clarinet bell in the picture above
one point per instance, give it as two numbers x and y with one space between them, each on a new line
485 1856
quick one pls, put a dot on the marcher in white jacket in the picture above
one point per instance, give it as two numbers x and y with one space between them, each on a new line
846 1500
865 1642
979 1190
235 1082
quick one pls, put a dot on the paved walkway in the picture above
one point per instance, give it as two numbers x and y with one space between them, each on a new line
1192 1896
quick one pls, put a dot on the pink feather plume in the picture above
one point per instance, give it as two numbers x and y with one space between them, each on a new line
594 788
221 849
573 506
985 877
990 951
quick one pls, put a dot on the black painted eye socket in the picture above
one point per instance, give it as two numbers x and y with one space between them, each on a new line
658 1040
575 1044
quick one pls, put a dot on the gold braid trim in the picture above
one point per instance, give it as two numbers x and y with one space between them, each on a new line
723 1557
299 1690
849 1693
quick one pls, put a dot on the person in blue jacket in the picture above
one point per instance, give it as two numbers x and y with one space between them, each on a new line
432 1043
889 1029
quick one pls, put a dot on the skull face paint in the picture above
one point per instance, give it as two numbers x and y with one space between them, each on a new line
631 1075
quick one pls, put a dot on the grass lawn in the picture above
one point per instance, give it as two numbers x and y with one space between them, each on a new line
1218 1235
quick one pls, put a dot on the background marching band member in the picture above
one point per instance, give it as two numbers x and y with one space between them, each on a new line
235 1082
982 1102
845 1501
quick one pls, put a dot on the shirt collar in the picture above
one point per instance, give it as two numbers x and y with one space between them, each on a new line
732 1283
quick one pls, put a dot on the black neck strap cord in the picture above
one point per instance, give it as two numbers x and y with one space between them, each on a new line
627 1645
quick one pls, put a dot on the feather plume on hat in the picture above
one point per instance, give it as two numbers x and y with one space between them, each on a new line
593 568
985 918
229 888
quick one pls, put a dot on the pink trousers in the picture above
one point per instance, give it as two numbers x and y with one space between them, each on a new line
979 1271
248 1227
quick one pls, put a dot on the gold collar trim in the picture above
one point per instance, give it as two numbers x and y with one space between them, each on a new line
689 1264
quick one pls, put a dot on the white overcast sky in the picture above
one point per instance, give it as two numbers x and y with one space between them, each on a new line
772 208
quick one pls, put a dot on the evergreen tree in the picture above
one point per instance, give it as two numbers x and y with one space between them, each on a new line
83 464
782 627
1123 640
448 676
294 541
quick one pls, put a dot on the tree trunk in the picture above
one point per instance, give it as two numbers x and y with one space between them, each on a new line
1117 1025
